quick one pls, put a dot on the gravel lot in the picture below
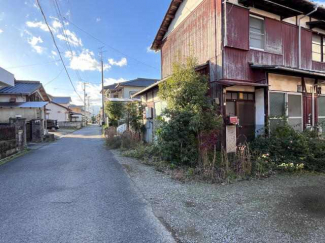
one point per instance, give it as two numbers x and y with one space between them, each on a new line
283 208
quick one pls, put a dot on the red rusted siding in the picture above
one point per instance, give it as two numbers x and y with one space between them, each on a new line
237 27
237 67
273 41
196 36
319 66
281 47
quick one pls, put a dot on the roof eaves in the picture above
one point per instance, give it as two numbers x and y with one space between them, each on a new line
149 87
169 16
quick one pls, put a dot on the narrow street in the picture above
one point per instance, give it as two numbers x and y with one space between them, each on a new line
73 190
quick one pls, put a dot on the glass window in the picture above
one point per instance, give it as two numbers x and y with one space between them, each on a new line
277 104
294 105
317 48
230 108
228 95
256 33
234 96
321 106
250 97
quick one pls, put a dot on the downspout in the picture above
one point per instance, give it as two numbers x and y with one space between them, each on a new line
299 41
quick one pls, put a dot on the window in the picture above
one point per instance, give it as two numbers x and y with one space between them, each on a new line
317 48
256 33
286 105
131 93
321 111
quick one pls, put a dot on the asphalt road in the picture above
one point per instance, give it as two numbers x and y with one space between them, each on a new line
73 190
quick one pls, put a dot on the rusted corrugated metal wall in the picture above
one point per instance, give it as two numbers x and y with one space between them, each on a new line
281 46
194 36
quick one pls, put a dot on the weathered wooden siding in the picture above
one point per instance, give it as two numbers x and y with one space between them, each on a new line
237 28
281 46
196 36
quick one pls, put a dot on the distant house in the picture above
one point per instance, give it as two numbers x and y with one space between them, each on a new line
26 99
125 90
58 109
65 101
55 111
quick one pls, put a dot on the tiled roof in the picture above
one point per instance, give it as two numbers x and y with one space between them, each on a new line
61 100
139 82
30 104
22 87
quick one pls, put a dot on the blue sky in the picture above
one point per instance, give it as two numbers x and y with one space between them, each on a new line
125 25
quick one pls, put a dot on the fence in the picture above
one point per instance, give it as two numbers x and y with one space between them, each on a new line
74 125
7 132
8 142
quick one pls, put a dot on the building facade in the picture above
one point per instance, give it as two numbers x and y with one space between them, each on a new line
265 59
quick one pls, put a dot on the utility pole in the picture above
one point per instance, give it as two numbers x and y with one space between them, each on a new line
85 95
103 95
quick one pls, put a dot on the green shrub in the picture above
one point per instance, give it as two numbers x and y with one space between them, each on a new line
286 149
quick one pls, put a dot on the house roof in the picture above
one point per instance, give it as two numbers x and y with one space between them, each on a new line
297 71
289 8
22 87
169 16
139 82
61 100
149 87
31 104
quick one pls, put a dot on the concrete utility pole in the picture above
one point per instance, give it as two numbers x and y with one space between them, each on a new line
85 95
103 95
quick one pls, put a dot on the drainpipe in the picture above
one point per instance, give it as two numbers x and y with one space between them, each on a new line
299 23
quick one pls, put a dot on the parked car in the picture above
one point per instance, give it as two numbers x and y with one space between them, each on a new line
52 124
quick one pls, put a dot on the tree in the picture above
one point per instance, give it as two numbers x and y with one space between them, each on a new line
134 115
190 116
115 111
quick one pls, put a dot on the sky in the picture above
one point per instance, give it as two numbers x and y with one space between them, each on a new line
124 29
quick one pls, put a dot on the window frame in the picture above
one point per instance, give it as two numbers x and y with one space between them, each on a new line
318 116
322 47
263 35
286 101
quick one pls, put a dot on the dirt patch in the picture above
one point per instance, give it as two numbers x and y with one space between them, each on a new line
310 200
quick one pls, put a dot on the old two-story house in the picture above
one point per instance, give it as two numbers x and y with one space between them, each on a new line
125 90
265 59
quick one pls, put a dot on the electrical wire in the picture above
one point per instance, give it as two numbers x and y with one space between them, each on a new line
54 78
56 46
114 49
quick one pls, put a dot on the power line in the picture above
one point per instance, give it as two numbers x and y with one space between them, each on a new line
64 32
66 70
54 78
36 64
114 49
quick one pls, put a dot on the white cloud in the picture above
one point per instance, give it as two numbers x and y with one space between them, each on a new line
98 19
109 81
86 61
121 63
70 37
56 24
39 24
54 53
34 41
1 31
